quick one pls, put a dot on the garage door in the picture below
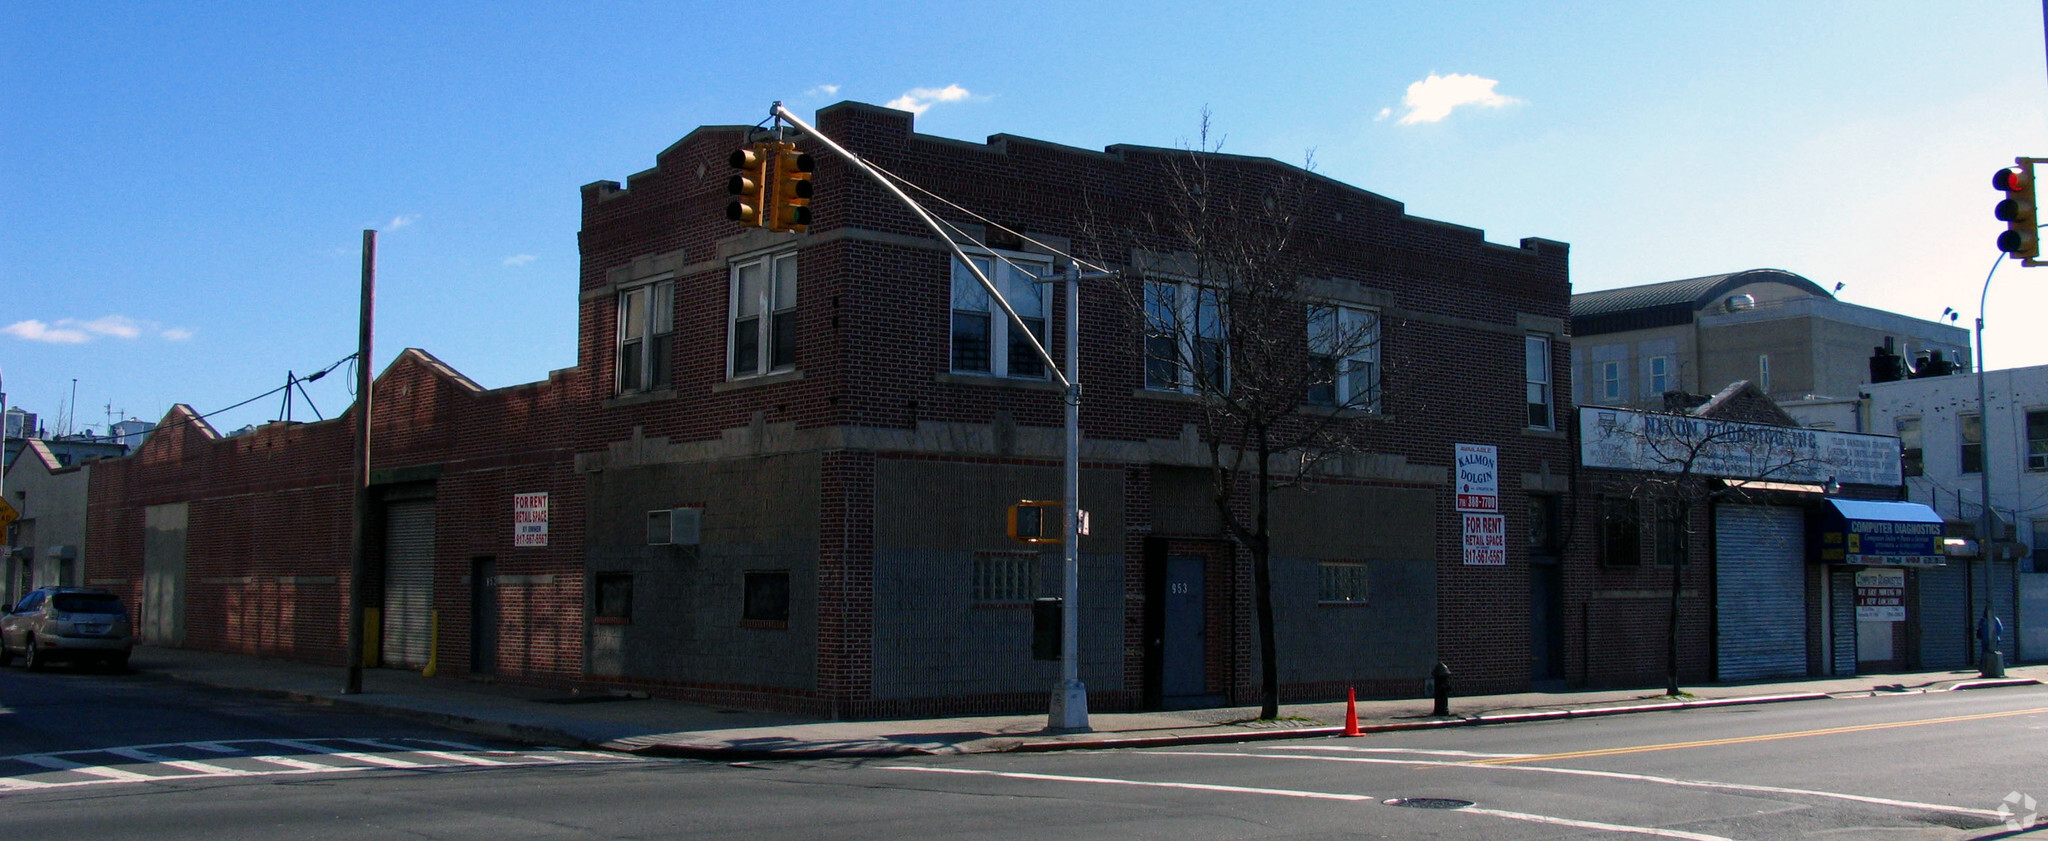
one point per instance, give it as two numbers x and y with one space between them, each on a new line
1760 591
408 581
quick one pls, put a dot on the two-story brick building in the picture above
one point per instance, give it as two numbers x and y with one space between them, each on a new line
778 469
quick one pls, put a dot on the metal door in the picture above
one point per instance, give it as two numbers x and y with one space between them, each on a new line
162 614
1546 621
408 582
1760 591
483 616
1183 671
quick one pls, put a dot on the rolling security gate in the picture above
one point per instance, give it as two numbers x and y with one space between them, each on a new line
1760 591
408 582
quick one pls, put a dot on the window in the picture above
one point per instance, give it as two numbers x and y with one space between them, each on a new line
1621 532
1005 577
1536 364
766 600
1184 338
1671 534
614 598
1763 372
1543 526
984 340
1970 429
763 336
646 337
1343 583
1344 348
1660 375
2037 440
1610 382
1910 462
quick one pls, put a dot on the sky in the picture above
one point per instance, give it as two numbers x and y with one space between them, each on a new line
184 186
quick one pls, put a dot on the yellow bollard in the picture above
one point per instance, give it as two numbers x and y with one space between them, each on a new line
433 644
373 636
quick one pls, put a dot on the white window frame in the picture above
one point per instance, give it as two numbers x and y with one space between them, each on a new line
1538 379
771 309
1963 442
1610 381
1763 372
1193 305
1660 375
970 301
2037 448
1346 327
644 342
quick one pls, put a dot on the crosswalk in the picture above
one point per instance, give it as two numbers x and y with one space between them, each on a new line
186 761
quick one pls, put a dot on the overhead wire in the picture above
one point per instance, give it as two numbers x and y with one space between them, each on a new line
983 219
202 416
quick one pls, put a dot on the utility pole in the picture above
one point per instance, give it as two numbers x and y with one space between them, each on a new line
1990 663
359 553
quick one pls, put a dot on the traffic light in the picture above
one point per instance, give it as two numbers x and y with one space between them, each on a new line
1035 521
2019 212
749 186
791 202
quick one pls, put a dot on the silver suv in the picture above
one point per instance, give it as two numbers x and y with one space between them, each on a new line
67 623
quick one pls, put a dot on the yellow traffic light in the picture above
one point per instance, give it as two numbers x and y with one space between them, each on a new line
791 203
1036 521
2019 211
749 187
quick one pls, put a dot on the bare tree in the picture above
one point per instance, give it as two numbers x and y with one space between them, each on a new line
1692 462
1233 315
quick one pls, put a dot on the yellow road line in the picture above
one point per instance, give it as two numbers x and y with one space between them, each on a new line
1510 760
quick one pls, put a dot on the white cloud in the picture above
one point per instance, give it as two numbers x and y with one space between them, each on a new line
72 331
918 100
401 221
1384 113
1435 97
827 90
519 259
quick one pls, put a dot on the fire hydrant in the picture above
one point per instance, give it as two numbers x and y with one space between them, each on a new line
1441 676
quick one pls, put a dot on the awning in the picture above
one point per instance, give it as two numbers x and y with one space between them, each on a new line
1855 531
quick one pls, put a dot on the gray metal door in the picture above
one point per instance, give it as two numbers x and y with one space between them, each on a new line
1183 664
1939 614
1760 591
162 613
1546 621
408 582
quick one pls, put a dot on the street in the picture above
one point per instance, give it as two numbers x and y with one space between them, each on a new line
85 755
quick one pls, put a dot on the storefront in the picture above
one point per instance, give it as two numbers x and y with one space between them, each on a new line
1886 588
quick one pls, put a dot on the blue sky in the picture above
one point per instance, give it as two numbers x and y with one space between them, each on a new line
185 185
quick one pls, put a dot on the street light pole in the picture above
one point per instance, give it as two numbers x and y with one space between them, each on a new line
1990 663
1069 709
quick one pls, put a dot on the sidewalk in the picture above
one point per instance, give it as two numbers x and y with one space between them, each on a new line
674 728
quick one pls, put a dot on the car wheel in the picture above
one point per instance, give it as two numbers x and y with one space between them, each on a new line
31 659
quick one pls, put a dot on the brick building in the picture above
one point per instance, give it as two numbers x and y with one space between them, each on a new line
778 469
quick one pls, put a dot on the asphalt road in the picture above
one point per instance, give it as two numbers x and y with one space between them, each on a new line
92 757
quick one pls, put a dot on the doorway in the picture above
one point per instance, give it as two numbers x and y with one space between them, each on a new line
483 616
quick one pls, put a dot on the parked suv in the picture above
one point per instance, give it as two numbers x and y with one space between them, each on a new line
76 624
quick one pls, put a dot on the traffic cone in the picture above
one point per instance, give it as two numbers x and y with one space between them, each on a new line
1351 712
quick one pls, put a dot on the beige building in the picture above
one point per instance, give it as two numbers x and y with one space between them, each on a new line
1779 330
47 545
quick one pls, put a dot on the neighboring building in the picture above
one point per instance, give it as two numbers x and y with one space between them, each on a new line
22 427
1770 327
48 543
1948 442
1774 525
785 488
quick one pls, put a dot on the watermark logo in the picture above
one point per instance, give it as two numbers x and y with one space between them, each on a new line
2019 811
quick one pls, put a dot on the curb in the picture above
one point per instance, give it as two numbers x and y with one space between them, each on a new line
1989 683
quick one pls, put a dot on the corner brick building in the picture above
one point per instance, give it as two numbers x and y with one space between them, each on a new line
776 473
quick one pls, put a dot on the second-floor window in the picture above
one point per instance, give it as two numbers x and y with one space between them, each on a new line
1970 429
1660 375
1344 348
985 341
1536 378
2037 443
1910 459
1610 382
646 337
1185 346
763 328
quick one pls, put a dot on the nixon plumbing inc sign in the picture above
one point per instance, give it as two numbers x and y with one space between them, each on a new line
1621 439
1478 503
530 519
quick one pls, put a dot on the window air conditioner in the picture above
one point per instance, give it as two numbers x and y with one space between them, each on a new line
674 526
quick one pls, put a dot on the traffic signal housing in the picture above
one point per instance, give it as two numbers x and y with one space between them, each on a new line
1036 521
2019 211
749 186
790 204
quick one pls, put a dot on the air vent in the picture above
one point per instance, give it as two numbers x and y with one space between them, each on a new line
674 526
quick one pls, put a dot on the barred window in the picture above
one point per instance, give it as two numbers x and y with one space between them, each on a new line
1343 583
1005 577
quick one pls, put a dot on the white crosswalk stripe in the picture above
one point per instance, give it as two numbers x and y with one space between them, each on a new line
249 758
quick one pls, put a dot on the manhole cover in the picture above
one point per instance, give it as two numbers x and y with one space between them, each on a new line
1429 802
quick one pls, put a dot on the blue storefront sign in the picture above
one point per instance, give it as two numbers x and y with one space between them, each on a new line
1867 533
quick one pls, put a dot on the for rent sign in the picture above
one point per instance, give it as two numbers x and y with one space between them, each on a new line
530 519
1486 540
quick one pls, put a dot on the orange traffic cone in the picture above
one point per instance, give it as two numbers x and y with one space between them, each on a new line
1351 712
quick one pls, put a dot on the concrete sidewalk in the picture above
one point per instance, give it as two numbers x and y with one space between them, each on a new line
674 728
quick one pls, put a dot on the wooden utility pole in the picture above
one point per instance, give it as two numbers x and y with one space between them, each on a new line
359 555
